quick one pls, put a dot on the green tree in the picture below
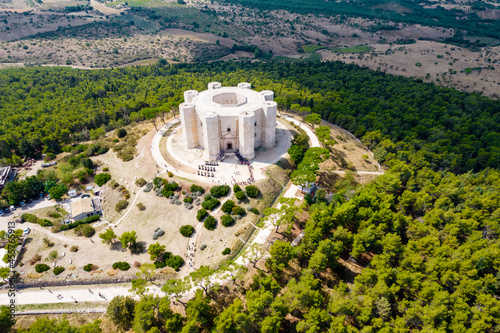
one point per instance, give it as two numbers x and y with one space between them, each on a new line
128 239
313 119
121 311
175 288
147 271
156 251
139 286
281 253
296 154
57 192
233 319
202 278
102 178
198 309
6 321
108 237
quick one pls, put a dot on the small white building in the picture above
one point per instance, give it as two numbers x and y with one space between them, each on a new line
228 119
72 193
83 208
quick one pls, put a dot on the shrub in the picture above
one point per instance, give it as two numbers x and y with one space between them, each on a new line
141 206
219 191
203 247
240 195
210 204
196 188
202 213
121 133
141 182
237 210
36 258
84 230
137 264
90 267
252 191
74 248
58 270
228 206
40 268
47 242
52 255
169 260
210 223
186 230
188 200
171 186
236 188
170 174
121 265
121 205
227 220
166 193
255 211
226 251
102 178
249 208
106 169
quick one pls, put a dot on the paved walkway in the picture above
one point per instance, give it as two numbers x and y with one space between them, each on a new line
71 293
309 132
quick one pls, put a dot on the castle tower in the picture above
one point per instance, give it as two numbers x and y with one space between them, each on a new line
246 131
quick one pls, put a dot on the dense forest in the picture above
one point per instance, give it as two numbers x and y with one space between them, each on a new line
412 12
45 108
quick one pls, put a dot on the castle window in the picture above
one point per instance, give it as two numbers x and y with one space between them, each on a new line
229 129
255 124
255 134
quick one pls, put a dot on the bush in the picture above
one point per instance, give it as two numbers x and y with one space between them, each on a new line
227 220
74 248
240 195
210 204
141 206
210 223
219 191
58 270
169 260
186 230
228 206
121 205
121 133
171 186
237 210
236 188
252 191
166 193
196 188
102 178
36 258
90 267
141 182
255 211
203 247
226 251
121 265
188 200
202 213
40 268
137 264
170 174
85 230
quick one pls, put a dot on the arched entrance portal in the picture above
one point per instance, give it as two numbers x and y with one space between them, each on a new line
229 145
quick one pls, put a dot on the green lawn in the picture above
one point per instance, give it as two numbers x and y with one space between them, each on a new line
353 49
310 48
312 57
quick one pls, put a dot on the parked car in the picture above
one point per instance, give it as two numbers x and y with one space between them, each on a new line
26 231
2 213
6 210
85 195
22 204
12 208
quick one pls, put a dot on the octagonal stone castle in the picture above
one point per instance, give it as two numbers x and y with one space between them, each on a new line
221 120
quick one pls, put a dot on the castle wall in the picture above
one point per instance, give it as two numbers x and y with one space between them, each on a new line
269 128
188 121
247 131
211 136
